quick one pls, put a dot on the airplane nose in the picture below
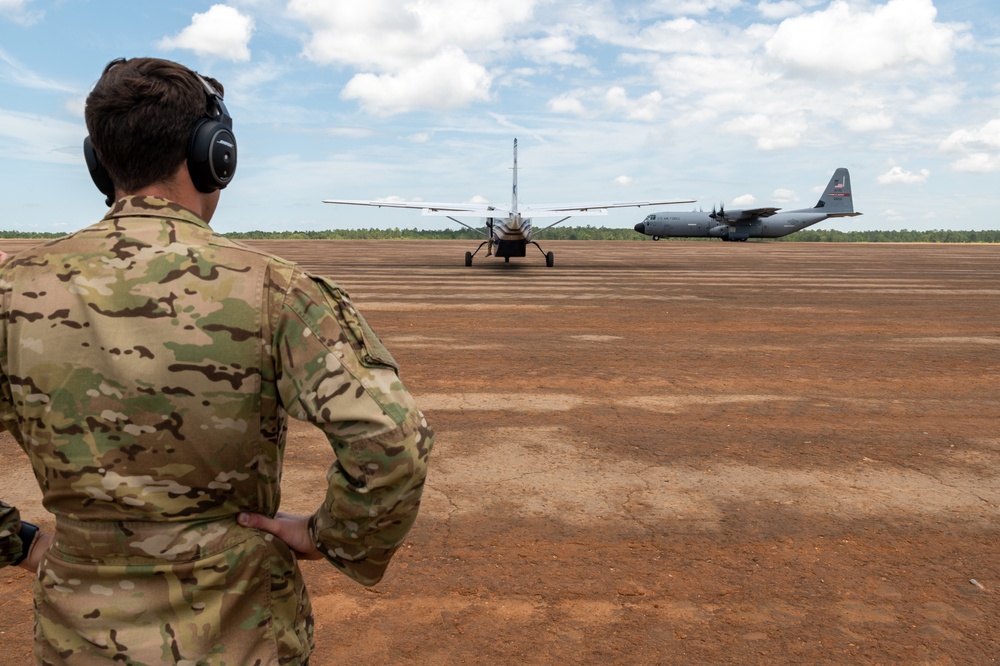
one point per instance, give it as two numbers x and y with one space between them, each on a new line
641 228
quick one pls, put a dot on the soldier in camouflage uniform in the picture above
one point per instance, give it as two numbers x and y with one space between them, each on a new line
148 367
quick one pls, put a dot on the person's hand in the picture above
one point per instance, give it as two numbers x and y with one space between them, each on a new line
292 529
39 545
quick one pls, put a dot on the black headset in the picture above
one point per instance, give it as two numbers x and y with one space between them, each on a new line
211 151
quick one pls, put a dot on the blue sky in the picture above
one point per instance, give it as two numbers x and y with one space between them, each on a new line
743 103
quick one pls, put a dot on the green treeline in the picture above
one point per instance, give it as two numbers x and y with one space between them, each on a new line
618 234
592 233
902 236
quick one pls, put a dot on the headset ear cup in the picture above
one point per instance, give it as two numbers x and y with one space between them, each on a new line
97 171
211 155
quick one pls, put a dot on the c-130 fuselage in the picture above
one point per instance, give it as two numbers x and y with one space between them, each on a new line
739 225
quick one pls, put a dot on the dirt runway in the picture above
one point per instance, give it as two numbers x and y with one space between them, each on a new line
668 453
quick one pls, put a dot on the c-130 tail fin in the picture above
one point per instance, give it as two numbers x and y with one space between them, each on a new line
837 200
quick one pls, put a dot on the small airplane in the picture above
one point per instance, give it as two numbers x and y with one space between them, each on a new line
508 229
739 225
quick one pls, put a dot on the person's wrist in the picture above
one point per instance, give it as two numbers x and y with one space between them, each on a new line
27 534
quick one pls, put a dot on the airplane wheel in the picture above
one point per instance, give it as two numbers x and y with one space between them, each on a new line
506 260
656 238
468 258
550 259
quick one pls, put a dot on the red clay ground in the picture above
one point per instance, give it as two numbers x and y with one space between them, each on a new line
670 453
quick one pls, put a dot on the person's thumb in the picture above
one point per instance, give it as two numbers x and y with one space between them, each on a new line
255 521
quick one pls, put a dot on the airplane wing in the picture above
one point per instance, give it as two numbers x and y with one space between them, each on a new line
758 212
431 207
557 210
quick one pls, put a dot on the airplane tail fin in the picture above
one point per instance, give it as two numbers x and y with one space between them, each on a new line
513 200
837 200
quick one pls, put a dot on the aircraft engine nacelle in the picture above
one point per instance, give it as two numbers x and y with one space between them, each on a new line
720 231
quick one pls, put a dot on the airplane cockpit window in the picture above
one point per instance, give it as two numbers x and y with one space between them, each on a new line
651 217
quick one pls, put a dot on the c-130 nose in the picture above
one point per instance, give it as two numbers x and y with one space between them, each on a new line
641 227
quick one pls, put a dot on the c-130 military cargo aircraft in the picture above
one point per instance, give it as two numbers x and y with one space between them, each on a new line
739 225
508 229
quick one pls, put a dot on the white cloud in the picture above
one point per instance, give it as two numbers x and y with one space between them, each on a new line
17 73
980 146
693 7
977 163
40 139
567 103
745 200
893 215
844 39
447 81
221 32
613 101
387 35
18 11
552 49
782 195
929 103
778 10
771 132
623 180
869 122
414 55
645 108
899 176
985 138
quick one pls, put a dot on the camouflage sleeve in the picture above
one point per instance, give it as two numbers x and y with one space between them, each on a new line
334 372
10 542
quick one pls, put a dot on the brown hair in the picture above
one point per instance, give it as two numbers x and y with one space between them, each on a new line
140 115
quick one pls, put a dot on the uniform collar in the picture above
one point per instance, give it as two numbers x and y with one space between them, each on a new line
146 206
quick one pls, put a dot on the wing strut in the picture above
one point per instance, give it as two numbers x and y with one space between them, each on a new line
467 226
554 224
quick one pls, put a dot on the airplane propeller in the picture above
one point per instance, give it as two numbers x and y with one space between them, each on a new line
721 214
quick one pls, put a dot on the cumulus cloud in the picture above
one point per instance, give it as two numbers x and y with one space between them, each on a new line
783 195
221 32
645 108
568 103
744 201
984 138
446 81
771 132
977 163
897 175
552 50
404 51
846 40
981 147
779 10
385 35
623 180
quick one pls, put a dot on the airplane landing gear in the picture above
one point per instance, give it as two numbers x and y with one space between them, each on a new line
468 258
656 238
549 257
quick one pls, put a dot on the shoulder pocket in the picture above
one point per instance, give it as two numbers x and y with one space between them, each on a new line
371 351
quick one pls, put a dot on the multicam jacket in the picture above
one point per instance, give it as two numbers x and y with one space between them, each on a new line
147 368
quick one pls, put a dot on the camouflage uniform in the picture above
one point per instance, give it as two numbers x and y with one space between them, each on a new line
148 370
